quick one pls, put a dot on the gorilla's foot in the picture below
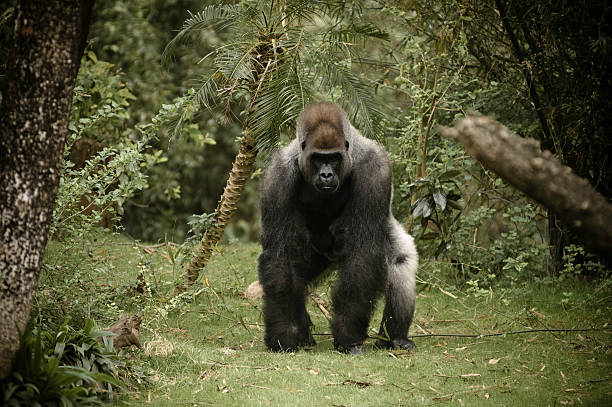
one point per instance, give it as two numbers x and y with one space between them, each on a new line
307 340
278 346
289 340
282 340
397 344
357 349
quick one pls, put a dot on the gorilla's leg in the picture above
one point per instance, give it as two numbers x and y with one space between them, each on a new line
287 322
354 297
399 306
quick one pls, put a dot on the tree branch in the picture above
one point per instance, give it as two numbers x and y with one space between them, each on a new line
540 176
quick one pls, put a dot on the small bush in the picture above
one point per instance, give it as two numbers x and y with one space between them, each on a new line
103 165
67 368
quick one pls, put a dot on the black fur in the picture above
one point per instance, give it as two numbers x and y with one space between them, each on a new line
306 228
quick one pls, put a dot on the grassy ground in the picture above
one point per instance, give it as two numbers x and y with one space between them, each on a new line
207 349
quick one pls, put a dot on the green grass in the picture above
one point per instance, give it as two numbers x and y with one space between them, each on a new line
207 349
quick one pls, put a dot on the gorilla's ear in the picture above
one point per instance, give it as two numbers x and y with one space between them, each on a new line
303 145
346 144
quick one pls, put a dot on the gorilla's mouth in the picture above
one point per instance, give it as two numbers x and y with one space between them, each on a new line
327 188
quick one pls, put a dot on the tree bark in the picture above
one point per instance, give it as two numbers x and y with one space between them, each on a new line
540 176
242 169
44 59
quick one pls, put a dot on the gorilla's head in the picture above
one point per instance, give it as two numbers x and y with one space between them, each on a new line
324 160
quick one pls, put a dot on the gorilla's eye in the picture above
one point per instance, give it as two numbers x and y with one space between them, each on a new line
303 145
346 144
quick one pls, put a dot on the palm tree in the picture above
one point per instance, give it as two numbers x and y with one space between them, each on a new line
275 58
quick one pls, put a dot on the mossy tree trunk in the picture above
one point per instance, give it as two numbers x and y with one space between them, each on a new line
48 42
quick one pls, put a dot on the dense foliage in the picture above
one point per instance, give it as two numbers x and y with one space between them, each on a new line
436 61
199 157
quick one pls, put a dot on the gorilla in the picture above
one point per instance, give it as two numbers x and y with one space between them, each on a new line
326 204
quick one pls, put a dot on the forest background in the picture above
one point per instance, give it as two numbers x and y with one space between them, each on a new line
147 157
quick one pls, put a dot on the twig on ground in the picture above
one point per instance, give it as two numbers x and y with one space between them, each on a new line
475 389
223 364
522 331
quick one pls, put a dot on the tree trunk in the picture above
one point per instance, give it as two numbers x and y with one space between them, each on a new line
539 175
48 43
242 169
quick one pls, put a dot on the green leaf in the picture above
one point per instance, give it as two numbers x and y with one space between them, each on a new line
448 175
421 208
454 204
439 198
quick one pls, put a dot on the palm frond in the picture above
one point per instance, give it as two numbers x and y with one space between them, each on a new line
294 97
277 61
254 14
264 114
278 102
301 10
356 33
357 100
235 63
207 95
283 94
306 10
217 16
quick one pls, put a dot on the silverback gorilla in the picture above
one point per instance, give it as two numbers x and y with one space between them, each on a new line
326 201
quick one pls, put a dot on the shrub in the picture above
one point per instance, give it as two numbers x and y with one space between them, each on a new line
102 164
67 368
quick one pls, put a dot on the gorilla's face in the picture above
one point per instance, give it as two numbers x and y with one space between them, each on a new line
324 160
325 169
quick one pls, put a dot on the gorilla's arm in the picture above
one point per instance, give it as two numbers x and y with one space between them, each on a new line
278 209
283 241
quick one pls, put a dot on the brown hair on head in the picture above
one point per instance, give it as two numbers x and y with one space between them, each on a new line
322 124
